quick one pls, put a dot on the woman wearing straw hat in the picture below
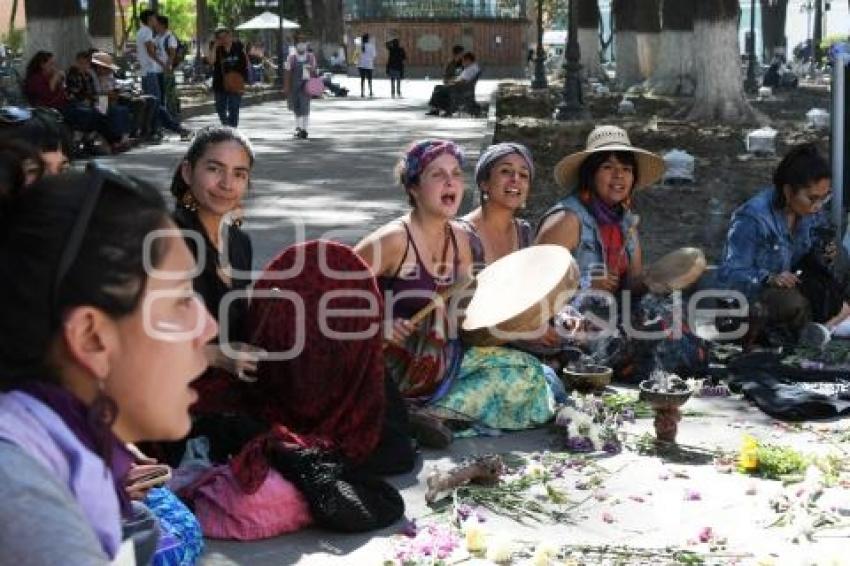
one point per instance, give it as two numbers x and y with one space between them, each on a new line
595 221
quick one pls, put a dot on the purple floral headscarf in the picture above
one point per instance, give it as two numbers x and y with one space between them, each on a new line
423 152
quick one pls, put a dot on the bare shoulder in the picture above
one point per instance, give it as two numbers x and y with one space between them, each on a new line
562 228
383 248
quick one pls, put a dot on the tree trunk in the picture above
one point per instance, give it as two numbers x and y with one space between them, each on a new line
773 17
817 31
101 15
327 26
57 26
719 95
13 15
587 21
674 71
638 25
200 29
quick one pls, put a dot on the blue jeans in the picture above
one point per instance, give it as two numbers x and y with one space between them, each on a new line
151 85
227 107
87 119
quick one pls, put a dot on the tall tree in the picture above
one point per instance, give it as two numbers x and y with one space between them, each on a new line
674 69
327 26
57 26
719 95
817 30
773 17
638 25
13 16
101 16
587 21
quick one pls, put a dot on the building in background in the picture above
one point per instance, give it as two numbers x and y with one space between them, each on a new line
495 30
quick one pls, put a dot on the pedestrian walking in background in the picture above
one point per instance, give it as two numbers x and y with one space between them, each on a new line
171 52
230 73
366 64
300 67
395 66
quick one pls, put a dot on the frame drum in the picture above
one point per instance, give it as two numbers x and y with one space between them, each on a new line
518 294
675 271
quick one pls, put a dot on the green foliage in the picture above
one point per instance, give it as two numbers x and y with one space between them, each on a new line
231 13
181 17
776 462
14 40
831 39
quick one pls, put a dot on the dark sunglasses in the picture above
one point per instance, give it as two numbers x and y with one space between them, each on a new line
99 174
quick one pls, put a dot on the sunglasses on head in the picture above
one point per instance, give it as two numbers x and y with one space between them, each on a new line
99 174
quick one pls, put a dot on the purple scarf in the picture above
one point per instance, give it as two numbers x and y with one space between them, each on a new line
97 438
605 214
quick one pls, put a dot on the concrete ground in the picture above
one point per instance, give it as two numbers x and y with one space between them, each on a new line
338 184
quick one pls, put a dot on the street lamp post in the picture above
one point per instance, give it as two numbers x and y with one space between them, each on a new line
539 81
281 55
751 85
572 104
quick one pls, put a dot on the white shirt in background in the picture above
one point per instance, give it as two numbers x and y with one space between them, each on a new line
367 56
165 42
469 73
146 63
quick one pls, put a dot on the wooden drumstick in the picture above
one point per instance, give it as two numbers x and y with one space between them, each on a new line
439 297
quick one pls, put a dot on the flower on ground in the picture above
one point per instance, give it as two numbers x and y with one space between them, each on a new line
501 551
475 535
706 534
692 495
544 554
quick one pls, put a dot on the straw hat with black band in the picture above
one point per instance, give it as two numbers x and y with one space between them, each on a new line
605 139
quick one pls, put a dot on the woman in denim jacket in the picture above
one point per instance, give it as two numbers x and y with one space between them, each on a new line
772 233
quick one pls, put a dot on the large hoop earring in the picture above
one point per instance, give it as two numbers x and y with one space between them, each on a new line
189 202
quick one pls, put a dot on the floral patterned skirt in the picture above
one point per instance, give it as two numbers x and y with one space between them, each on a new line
500 388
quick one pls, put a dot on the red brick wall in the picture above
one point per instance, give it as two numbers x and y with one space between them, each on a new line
508 55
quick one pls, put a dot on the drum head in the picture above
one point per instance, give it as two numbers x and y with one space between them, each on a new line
675 271
530 283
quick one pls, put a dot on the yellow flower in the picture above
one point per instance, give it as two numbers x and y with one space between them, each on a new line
748 459
474 533
501 551
543 554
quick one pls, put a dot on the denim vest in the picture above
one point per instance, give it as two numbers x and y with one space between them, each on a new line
589 254
759 243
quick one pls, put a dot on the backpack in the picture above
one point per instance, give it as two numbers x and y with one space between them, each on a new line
180 51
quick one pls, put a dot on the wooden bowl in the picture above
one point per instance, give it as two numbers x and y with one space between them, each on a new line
589 378
658 399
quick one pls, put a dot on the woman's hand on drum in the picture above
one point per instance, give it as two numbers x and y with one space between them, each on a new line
243 365
784 280
402 329
609 282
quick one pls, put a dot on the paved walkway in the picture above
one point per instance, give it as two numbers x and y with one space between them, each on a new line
338 183
340 179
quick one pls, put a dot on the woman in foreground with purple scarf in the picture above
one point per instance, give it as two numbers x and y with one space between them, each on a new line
101 338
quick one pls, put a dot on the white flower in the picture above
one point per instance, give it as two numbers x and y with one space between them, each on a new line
595 439
501 551
543 554
535 469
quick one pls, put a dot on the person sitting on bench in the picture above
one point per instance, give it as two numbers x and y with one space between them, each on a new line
443 96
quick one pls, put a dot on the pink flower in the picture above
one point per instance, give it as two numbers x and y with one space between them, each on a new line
692 495
706 534
607 517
